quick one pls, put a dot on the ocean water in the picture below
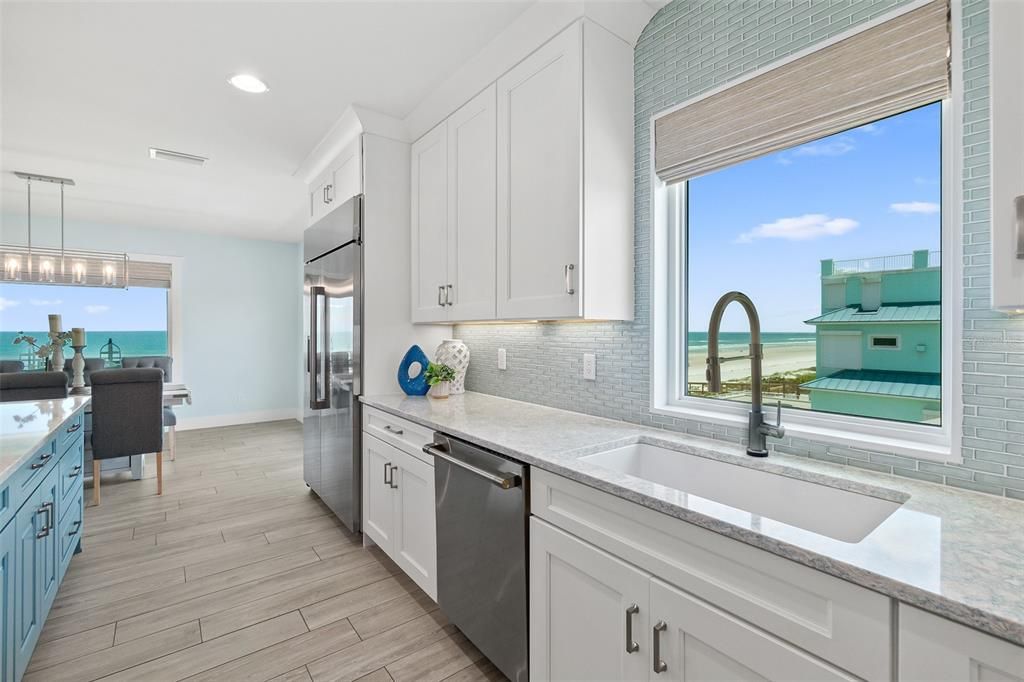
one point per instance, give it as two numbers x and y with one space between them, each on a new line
131 343
699 340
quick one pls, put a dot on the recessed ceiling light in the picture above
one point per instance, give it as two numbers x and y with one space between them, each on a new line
180 157
248 83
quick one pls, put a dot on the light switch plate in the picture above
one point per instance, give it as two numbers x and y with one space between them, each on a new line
502 364
590 367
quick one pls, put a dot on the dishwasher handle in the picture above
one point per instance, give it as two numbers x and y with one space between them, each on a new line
501 479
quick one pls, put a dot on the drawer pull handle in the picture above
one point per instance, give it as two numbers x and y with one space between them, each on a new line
391 429
387 470
42 461
77 525
72 429
568 279
659 665
47 508
631 645
74 472
392 481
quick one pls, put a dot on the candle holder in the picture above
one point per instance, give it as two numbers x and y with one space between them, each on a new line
78 372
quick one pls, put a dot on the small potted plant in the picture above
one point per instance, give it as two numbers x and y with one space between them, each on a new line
440 378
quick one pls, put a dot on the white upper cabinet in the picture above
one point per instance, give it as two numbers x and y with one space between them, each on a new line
430 226
565 180
1007 107
453 190
471 209
539 181
342 180
540 177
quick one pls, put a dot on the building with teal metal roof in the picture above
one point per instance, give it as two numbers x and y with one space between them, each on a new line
878 340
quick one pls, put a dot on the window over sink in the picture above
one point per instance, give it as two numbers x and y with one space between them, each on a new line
836 219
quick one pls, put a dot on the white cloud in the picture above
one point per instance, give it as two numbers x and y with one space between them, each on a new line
96 309
871 128
926 181
42 302
799 228
836 147
6 303
922 207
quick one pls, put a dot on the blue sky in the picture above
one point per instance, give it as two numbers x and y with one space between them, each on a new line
763 226
25 307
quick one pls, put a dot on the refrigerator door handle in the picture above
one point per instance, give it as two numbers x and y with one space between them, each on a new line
315 402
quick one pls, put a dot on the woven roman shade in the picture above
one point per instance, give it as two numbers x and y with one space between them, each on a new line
148 274
884 70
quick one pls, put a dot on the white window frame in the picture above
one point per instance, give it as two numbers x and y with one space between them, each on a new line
668 277
898 337
175 342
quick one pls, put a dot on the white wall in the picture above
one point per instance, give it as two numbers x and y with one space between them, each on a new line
239 313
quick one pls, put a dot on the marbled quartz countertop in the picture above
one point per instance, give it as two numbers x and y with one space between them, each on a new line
955 553
26 426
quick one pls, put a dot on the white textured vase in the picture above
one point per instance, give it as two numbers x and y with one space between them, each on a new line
455 354
58 358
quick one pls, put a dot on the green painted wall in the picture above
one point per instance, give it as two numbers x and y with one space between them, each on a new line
906 359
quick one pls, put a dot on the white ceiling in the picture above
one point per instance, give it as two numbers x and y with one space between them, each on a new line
88 87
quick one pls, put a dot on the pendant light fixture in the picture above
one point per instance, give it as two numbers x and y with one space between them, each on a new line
47 265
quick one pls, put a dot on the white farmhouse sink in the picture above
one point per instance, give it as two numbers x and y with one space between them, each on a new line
839 514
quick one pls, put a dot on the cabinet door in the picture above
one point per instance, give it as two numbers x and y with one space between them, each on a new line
540 182
580 605
933 649
378 493
701 642
8 541
49 544
28 576
430 226
415 530
471 209
346 179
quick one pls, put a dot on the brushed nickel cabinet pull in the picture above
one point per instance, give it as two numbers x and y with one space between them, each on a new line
659 665
631 645
1018 203
387 470
568 279
391 429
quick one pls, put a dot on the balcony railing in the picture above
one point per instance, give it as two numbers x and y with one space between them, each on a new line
901 261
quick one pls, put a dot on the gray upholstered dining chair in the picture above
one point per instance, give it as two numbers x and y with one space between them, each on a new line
91 365
127 419
33 386
8 366
164 363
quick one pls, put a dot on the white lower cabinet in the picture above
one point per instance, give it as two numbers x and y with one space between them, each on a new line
694 641
596 617
933 649
581 610
398 509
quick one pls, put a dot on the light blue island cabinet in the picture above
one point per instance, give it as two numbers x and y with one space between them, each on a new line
42 447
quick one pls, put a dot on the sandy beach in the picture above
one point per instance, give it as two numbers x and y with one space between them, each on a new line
781 357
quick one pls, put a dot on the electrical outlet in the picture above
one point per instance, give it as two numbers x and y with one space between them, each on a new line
502 364
590 367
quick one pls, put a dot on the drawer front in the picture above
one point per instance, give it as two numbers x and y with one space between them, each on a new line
401 433
32 473
70 529
831 618
69 431
71 465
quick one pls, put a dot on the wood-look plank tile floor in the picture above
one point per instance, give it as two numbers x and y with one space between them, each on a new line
238 572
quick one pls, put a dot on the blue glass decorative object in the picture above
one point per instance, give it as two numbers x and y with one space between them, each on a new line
411 378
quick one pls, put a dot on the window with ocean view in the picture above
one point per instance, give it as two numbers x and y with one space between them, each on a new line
133 319
837 242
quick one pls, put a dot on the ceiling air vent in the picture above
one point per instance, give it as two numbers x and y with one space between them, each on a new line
180 157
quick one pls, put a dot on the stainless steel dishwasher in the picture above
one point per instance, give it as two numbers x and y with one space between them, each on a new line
480 503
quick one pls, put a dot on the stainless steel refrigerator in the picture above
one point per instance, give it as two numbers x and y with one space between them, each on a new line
332 294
